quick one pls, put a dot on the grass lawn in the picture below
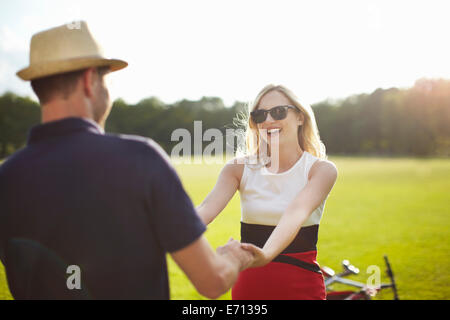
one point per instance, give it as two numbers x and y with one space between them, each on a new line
397 207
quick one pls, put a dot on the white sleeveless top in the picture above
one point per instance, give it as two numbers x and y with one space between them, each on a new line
265 195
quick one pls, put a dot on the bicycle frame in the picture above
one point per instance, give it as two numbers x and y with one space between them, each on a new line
365 292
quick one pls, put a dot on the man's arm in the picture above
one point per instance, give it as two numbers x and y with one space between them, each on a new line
212 273
179 231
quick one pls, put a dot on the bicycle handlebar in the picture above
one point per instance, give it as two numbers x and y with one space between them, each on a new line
390 273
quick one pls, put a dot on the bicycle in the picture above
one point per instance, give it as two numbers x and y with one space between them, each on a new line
364 292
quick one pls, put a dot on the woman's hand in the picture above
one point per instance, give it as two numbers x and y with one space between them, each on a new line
259 256
233 251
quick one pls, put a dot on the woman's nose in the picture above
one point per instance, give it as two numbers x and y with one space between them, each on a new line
269 118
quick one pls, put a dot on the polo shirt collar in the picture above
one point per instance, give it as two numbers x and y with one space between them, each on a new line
62 127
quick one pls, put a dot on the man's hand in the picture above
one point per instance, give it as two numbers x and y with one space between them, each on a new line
260 259
234 251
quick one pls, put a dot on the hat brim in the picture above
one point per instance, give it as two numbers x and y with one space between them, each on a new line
56 67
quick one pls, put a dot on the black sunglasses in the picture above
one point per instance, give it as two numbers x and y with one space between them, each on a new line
277 113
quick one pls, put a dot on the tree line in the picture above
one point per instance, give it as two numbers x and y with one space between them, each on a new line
392 122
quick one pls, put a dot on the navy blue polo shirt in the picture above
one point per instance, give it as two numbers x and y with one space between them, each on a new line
110 205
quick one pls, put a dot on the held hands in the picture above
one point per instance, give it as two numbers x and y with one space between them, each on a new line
248 255
232 249
260 258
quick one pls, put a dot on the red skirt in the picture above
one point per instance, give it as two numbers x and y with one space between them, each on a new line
281 281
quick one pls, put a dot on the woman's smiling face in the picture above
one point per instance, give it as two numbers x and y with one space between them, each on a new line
283 132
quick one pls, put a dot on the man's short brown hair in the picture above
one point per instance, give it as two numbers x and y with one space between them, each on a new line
60 84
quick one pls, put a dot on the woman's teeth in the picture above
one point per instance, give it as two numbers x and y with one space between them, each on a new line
273 131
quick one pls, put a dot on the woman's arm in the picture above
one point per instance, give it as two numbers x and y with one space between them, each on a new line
323 175
226 186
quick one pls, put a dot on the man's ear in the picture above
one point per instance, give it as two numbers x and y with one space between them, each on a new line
88 82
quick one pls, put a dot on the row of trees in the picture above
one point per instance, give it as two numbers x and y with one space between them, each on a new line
414 121
410 122
17 116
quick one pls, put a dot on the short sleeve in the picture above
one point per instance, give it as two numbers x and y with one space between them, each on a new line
176 221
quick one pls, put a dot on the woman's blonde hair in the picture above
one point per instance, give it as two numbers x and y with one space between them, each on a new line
308 133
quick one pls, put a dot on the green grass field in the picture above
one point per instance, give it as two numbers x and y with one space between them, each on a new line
398 207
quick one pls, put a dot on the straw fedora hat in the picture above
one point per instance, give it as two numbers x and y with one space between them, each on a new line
66 48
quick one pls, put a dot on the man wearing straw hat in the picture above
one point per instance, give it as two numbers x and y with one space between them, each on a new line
91 215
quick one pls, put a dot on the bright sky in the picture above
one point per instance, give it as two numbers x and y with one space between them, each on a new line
231 49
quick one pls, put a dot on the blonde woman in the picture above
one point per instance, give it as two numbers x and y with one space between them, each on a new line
283 182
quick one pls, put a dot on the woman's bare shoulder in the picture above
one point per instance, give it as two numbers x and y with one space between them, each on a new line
324 167
235 167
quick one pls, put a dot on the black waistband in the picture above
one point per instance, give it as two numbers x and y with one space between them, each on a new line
298 263
257 234
306 240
